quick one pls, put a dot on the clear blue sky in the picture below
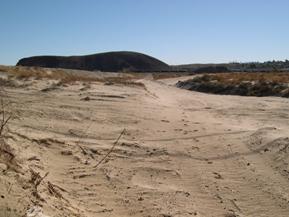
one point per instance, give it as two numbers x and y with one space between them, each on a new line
175 31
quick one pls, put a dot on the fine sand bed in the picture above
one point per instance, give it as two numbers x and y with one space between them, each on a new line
182 153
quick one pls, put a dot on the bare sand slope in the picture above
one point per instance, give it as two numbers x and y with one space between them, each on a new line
183 153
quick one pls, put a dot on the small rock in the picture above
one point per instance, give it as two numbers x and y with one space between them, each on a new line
166 121
266 150
218 176
86 98
33 158
108 83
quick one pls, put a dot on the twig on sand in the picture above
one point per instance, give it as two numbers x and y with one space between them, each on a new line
235 205
53 191
112 148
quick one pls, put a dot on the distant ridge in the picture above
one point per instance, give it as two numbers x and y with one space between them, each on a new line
107 62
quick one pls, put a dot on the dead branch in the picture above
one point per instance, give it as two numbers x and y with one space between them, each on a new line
36 179
52 190
6 116
112 148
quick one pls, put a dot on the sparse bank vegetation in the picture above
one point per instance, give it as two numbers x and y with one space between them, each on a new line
64 76
8 159
243 84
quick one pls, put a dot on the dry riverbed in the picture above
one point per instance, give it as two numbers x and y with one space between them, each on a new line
182 153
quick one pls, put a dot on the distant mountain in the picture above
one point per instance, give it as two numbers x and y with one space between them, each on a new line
107 62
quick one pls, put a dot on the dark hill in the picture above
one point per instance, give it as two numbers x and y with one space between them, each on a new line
109 62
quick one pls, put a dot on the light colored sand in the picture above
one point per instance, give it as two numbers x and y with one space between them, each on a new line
183 154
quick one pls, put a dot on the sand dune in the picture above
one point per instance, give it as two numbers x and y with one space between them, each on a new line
183 153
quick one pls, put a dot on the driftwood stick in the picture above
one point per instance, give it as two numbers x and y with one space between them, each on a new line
112 148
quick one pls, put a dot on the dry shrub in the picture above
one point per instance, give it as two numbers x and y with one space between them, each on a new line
243 84
237 78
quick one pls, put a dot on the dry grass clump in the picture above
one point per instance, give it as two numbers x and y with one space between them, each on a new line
27 72
22 72
237 78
